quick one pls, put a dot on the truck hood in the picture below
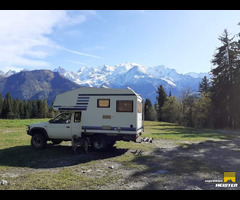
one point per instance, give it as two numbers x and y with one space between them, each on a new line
41 124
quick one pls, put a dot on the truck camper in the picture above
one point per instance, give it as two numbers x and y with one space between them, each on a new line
103 115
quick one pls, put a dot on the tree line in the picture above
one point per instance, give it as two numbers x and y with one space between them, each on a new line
216 104
21 109
190 109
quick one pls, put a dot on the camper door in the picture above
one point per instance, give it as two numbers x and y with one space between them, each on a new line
59 127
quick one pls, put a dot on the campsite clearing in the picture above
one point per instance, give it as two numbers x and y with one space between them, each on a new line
179 158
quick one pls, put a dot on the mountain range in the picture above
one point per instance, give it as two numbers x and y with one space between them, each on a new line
142 79
36 84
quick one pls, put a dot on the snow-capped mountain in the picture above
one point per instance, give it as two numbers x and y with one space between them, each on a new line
69 75
2 73
8 73
143 79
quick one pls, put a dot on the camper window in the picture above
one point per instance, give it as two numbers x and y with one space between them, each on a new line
139 108
77 117
124 106
103 103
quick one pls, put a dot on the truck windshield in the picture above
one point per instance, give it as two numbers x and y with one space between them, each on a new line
62 118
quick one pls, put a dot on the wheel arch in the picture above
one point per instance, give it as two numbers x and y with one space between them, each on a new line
39 130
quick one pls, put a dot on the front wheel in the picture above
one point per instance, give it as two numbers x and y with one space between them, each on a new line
38 141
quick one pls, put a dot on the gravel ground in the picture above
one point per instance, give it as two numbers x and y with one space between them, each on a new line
190 165
181 165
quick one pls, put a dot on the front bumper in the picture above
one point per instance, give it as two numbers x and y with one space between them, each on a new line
28 130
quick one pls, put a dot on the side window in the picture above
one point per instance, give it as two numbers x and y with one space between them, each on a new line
64 118
124 106
139 108
77 117
103 103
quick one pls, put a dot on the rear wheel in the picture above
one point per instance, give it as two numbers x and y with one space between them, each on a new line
99 143
38 141
111 143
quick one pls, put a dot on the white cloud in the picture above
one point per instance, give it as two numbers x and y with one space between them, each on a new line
24 35
81 53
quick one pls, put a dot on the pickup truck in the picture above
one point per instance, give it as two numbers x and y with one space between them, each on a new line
62 128
100 115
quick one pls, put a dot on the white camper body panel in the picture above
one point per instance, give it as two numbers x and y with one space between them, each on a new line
103 120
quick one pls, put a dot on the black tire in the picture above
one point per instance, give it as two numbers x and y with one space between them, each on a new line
38 141
99 143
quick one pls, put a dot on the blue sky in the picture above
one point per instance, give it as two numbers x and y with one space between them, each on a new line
181 39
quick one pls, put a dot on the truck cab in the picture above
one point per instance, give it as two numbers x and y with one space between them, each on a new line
61 128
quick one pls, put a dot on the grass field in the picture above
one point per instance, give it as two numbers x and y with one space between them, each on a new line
171 131
57 168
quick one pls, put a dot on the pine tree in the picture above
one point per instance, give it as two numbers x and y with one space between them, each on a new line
161 98
44 109
22 113
170 93
187 99
34 112
171 110
27 113
225 83
15 109
7 108
1 104
204 86
202 108
149 111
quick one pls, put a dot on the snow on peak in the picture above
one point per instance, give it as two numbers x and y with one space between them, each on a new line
129 65
2 73
10 72
105 69
170 82
61 71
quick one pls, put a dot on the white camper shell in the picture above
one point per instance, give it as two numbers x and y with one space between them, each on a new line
103 115
113 112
